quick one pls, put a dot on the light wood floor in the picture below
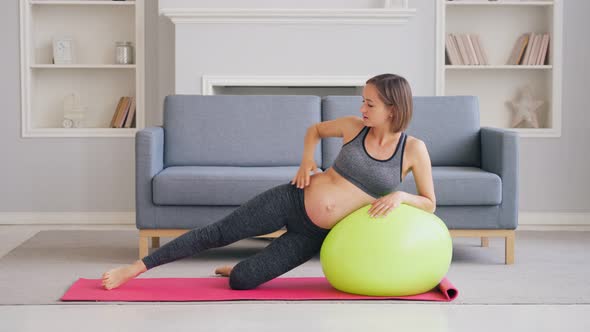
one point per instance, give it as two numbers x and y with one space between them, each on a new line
278 316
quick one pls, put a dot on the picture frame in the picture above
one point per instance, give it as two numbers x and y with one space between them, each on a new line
63 50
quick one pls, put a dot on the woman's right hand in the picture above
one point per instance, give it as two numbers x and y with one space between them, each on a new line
303 175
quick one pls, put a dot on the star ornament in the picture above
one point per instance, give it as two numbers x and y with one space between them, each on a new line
525 110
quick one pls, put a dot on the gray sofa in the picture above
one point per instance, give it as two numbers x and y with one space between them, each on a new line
215 152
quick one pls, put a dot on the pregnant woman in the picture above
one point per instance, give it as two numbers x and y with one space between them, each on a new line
374 159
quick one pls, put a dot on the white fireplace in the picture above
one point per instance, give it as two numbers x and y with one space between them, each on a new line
317 51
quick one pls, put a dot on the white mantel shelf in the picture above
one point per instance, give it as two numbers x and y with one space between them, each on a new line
289 16
209 82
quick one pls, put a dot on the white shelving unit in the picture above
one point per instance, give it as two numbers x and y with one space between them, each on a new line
95 27
499 24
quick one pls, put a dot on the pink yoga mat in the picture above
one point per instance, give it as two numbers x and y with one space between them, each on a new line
217 289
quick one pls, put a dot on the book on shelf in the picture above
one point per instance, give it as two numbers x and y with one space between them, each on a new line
452 53
541 59
463 38
124 116
459 51
131 115
530 49
518 50
117 111
122 113
465 49
534 50
484 56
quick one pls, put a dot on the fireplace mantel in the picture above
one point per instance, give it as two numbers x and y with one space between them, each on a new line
276 51
390 15
209 82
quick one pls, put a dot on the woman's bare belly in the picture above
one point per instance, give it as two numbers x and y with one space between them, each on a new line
329 198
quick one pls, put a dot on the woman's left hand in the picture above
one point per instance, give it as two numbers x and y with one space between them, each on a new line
383 205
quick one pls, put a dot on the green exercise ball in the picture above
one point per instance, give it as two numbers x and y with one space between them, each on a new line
406 252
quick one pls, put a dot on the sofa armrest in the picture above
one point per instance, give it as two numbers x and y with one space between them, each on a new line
149 161
499 155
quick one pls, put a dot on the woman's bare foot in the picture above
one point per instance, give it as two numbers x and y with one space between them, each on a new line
224 271
116 277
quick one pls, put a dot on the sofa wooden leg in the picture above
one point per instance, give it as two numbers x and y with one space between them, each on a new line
155 242
485 241
485 234
143 246
509 243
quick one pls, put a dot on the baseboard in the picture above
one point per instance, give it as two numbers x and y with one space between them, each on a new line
554 221
67 218
527 220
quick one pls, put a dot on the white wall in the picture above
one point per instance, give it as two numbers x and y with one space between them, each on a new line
555 173
96 174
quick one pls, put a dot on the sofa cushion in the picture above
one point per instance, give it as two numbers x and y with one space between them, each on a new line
460 186
226 185
449 125
231 130
216 185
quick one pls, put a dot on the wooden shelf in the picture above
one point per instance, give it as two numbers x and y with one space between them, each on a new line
80 66
94 81
82 132
497 84
83 3
499 3
499 67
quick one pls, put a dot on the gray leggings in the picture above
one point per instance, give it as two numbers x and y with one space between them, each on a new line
267 212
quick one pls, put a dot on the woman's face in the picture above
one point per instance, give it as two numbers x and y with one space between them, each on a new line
374 111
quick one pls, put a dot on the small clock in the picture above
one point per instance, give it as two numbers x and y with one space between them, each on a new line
63 51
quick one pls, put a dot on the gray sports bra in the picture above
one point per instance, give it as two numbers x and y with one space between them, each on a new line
375 177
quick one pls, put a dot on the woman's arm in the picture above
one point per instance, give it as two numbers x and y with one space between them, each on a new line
331 128
420 166
422 170
313 135
312 138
